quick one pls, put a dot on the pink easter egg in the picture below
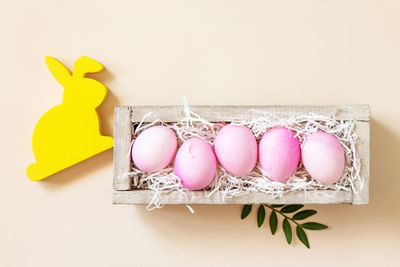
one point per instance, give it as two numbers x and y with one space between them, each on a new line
195 164
154 148
236 149
279 153
323 157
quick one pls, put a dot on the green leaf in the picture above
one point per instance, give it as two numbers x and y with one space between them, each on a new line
273 222
314 226
304 214
302 236
291 208
287 230
245 211
260 215
277 205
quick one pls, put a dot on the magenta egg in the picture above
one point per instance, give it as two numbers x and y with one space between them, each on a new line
236 149
195 164
323 157
154 148
279 153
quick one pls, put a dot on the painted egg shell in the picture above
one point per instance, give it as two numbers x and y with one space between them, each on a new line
323 157
236 149
279 153
154 148
195 164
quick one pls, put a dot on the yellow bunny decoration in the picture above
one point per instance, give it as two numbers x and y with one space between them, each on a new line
70 132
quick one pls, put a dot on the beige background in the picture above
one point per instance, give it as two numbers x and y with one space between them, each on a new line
213 52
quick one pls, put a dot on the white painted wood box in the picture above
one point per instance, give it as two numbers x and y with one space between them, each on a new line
127 116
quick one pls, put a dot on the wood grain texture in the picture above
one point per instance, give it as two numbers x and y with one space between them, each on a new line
362 147
198 197
122 141
125 116
229 113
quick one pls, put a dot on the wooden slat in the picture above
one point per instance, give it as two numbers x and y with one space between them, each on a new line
122 141
362 146
198 197
229 113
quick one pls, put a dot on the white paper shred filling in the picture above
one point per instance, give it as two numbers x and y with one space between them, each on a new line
226 185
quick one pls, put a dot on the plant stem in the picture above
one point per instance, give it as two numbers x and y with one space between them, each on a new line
284 215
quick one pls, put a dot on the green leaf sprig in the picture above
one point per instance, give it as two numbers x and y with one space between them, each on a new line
284 211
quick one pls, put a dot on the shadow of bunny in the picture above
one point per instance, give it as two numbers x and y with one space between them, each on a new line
78 171
106 110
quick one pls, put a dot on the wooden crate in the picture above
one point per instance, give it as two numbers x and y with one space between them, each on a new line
126 116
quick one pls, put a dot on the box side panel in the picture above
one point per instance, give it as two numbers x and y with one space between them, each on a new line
122 141
362 146
198 197
229 113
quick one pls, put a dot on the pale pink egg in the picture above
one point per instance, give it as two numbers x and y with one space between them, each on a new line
154 148
195 164
279 153
236 149
323 157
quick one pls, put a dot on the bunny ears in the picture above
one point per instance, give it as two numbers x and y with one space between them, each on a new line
83 65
